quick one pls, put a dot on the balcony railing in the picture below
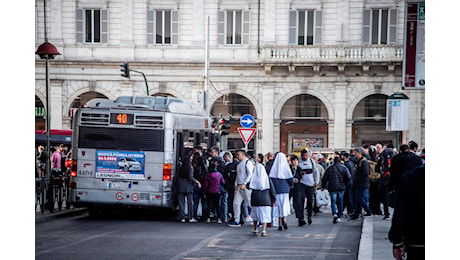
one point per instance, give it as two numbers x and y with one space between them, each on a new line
339 54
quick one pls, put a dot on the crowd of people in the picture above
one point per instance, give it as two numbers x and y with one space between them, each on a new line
237 188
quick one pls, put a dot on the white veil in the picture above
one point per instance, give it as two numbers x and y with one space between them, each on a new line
259 180
280 168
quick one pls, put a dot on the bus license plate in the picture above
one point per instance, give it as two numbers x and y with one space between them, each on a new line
119 185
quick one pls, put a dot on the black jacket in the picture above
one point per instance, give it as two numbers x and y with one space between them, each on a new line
336 178
408 223
400 164
263 197
383 166
361 179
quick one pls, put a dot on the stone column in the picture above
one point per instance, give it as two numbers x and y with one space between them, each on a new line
340 114
266 96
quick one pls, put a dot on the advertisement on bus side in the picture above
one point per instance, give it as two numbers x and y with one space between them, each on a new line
120 164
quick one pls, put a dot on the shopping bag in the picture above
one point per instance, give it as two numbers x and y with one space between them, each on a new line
322 198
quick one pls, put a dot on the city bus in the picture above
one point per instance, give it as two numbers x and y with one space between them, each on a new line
126 152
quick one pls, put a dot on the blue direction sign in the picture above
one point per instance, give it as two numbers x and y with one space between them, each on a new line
247 121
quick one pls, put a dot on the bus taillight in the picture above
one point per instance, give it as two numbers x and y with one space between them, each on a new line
167 169
73 169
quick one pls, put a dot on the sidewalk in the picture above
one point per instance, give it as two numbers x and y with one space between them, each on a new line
64 212
374 242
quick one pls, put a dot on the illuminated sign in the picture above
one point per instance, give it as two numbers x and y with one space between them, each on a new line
121 119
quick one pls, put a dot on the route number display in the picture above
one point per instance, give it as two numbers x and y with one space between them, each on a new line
121 119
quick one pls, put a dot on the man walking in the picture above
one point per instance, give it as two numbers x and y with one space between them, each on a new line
305 183
335 179
244 172
361 184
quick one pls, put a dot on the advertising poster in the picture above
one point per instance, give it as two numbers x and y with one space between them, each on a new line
120 165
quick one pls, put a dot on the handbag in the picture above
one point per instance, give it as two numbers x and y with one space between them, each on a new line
322 198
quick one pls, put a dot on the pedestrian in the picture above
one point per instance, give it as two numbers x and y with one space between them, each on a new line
282 179
413 146
335 180
270 161
384 165
404 161
295 170
307 180
244 172
184 183
223 194
374 182
229 177
348 197
260 158
213 187
321 170
199 173
262 198
361 184
57 160
41 158
407 232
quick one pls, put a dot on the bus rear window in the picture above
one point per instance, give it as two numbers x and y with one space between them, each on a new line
121 139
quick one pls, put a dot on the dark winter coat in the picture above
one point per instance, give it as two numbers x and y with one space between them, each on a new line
383 166
361 179
400 164
408 221
184 185
212 182
263 197
336 178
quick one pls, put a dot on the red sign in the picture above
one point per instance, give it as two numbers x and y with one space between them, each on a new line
134 197
246 134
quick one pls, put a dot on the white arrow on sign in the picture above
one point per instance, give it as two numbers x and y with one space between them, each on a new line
247 121
246 134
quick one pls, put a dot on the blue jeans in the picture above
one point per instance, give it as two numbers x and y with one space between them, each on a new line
361 201
223 207
337 198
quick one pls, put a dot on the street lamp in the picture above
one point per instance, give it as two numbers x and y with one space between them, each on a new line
47 51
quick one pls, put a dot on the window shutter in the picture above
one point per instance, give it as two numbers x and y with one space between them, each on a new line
175 27
246 23
393 25
150 26
220 27
318 27
104 25
80 25
292 37
367 27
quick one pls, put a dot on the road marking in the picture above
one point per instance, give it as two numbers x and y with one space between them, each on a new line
305 236
329 238
199 245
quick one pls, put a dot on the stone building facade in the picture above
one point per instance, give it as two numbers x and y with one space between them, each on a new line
313 73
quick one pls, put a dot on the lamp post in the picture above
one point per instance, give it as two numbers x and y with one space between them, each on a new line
47 51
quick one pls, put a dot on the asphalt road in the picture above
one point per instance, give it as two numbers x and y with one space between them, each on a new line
138 235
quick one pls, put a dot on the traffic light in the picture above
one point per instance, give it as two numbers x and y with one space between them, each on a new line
223 125
125 70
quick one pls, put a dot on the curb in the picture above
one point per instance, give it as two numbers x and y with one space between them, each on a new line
365 250
39 217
